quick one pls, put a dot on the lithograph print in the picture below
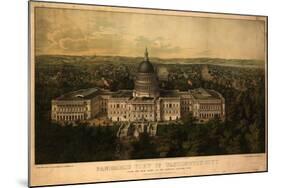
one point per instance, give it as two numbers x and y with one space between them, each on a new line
144 93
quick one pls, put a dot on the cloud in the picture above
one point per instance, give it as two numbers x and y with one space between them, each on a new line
67 38
79 32
70 44
158 45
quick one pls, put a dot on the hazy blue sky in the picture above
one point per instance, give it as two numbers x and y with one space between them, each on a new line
84 32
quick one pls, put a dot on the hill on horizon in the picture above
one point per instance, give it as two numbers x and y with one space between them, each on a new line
58 59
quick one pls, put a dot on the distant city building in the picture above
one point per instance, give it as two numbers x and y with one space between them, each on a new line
147 102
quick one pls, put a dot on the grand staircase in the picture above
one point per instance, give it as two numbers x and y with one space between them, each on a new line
134 129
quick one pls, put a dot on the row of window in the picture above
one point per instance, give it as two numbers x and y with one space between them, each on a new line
146 117
70 105
114 106
69 117
165 111
209 107
170 105
117 105
142 108
171 118
139 116
70 109
117 112
103 103
186 102
208 115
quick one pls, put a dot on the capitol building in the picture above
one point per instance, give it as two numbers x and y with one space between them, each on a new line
146 103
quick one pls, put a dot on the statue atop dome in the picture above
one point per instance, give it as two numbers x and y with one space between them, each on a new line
146 55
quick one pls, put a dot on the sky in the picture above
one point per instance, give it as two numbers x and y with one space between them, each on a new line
90 32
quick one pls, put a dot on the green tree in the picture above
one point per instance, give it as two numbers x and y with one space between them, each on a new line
144 147
253 138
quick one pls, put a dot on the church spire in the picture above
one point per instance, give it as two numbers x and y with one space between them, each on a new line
146 54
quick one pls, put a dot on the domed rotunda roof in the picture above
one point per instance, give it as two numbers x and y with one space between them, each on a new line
145 66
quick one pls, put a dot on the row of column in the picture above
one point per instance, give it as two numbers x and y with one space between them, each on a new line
70 117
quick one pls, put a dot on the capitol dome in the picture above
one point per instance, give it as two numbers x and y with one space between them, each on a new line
146 67
146 83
